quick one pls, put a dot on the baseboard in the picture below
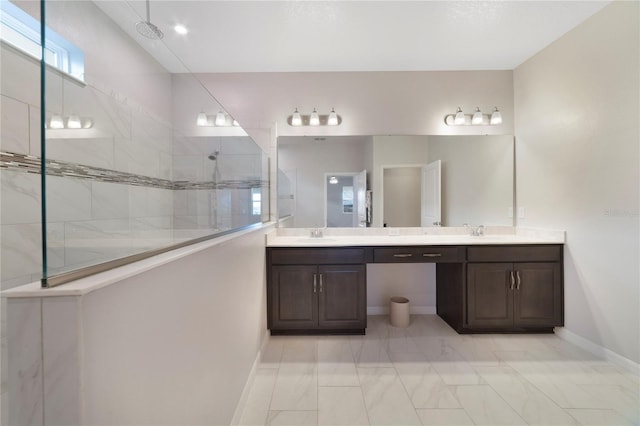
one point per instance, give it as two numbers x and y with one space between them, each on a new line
237 415
598 350
414 310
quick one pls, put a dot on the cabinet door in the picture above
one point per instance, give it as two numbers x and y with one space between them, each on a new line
538 294
294 301
342 296
489 295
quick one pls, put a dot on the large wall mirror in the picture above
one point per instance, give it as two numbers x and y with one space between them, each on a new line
475 179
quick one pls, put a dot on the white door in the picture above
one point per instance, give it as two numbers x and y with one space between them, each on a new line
430 206
360 190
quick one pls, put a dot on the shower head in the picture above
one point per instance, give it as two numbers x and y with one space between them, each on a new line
214 156
147 29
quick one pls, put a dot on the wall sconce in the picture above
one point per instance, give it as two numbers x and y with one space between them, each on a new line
221 119
74 122
314 119
475 119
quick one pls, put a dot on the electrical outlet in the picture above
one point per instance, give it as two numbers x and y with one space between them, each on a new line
510 212
521 214
394 231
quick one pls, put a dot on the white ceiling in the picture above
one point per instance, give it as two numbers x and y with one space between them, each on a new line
298 36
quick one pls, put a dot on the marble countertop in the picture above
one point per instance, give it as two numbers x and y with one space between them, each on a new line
412 236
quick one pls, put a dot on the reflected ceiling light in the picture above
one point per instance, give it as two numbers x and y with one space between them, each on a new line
180 29
235 123
496 117
221 119
56 122
202 119
475 119
314 119
459 118
333 180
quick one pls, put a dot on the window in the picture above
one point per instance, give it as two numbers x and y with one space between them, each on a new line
22 31
256 201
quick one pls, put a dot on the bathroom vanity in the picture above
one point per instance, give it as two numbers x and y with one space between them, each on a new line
501 283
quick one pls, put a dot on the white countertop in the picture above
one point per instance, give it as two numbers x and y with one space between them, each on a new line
412 236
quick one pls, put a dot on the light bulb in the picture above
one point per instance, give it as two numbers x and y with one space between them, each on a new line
202 119
74 122
221 119
477 117
56 122
180 29
235 123
496 117
333 118
333 180
459 119
314 118
296 119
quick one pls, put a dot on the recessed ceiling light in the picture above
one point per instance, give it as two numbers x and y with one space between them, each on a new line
180 29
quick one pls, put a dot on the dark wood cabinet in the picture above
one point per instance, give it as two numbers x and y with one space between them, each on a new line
316 297
480 288
518 296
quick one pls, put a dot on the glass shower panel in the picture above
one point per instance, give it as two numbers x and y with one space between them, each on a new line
128 169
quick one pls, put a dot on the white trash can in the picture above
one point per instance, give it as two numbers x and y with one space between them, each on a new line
399 312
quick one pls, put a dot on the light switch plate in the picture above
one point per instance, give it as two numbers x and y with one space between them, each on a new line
510 212
521 213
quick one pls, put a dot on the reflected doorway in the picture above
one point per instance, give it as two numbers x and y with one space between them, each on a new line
345 200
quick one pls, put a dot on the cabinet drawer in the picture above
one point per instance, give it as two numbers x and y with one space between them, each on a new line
317 256
519 253
425 254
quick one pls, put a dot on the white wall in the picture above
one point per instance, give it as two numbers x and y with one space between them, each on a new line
402 201
577 114
172 345
370 103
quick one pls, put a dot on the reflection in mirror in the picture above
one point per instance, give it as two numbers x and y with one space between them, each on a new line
476 175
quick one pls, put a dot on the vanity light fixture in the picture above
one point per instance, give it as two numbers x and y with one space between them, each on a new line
496 117
314 119
333 118
296 118
73 122
202 119
221 119
56 122
475 119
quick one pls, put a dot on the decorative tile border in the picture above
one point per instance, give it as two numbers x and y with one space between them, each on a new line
30 164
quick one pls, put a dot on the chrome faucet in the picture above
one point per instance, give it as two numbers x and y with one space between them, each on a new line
316 233
477 231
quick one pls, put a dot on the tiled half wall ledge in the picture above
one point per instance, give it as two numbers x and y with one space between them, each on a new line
30 164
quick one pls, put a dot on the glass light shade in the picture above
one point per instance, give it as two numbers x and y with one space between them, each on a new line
180 29
221 119
202 119
496 117
88 123
56 122
74 122
477 117
333 118
459 118
235 123
314 118
333 180
296 119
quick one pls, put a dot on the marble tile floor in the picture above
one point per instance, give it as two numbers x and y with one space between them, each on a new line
427 374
